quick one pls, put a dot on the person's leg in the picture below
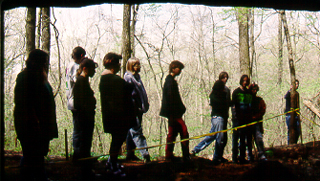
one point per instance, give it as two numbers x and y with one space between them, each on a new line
207 140
249 135
116 142
288 125
218 124
130 145
139 139
171 137
184 134
258 138
34 149
235 141
76 137
298 130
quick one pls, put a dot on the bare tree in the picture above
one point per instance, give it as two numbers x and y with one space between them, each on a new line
135 9
126 45
280 51
242 18
30 29
45 21
293 93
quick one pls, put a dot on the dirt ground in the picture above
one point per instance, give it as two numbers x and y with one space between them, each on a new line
295 162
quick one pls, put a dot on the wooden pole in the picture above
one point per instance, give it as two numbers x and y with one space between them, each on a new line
66 143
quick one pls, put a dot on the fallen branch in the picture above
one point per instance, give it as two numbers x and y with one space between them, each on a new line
312 107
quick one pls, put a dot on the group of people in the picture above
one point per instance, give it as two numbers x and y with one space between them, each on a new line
123 103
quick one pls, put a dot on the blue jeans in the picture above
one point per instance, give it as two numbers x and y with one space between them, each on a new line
288 117
136 139
217 124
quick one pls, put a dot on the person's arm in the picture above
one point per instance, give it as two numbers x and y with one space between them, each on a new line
287 96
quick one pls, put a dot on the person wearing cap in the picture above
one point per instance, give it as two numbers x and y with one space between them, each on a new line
78 54
34 115
258 110
173 109
85 104
135 137
117 108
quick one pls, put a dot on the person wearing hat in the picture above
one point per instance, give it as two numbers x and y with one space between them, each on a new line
117 108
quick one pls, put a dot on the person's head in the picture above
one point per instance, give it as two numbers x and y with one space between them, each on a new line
254 88
244 80
88 67
223 76
112 61
78 54
218 86
133 65
175 67
38 61
297 83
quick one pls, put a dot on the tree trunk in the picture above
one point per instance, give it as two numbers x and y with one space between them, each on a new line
30 29
135 9
280 51
251 40
38 36
242 18
45 38
293 94
126 45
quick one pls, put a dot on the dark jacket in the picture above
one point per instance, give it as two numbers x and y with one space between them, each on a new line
172 106
288 101
219 104
139 94
116 104
35 109
84 99
241 100
258 110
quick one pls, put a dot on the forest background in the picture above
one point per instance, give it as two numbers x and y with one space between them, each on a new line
205 39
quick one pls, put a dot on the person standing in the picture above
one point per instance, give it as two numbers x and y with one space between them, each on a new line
34 115
258 110
173 109
288 115
135 137
85 104
219 104
78 54
117 108
241 102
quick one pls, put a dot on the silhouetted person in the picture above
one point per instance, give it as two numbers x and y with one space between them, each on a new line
34 114
85 104
173 109
78 54
135 137
116 106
